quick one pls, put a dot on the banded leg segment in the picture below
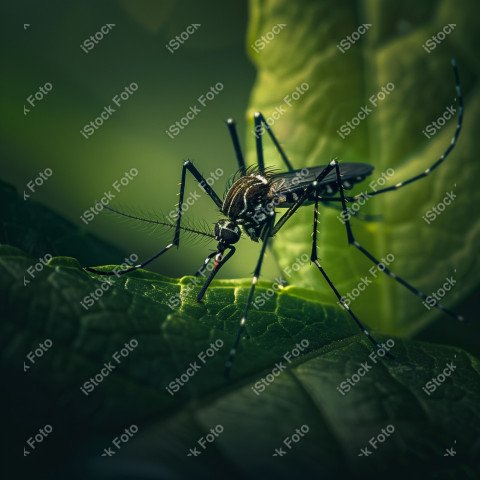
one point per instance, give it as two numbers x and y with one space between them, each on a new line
351 240
448 150
220 261
233 351
314 259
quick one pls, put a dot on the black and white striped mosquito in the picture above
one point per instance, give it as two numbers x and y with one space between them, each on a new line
250 207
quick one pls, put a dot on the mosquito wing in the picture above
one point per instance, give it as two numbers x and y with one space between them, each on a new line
297 180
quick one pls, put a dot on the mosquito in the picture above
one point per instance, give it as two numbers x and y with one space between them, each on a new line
250 207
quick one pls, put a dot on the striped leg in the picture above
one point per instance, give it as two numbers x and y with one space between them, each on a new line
233 351
220 261
447 152
387 271
314 258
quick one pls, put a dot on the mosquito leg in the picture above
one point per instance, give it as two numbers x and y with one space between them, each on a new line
220 261
277 263
130 269
258 142
187 167
243 321
314 258
236 145
449 149
387 271
205 263
260 125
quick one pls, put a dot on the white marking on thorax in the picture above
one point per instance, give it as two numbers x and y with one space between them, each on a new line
262 179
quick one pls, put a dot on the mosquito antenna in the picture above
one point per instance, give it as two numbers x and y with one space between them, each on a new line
194 231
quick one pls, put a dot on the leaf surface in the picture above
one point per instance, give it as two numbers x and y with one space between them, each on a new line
288 376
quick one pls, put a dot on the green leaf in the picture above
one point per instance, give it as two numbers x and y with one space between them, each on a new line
339 84
255 423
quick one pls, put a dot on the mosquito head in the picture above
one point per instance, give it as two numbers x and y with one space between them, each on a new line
227 232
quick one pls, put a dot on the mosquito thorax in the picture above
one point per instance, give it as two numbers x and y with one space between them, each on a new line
248 203
227 232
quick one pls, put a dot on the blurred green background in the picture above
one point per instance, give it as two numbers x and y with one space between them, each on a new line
41 43
48 50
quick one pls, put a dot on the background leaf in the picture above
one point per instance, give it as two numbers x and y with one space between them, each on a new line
391 137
